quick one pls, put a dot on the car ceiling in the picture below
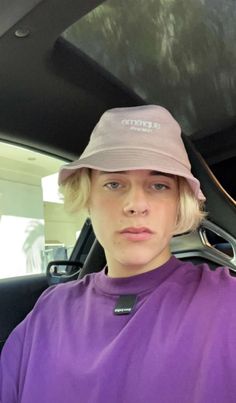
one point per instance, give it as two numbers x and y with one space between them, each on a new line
52 92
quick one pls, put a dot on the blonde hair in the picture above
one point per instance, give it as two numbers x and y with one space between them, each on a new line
76 191
190 210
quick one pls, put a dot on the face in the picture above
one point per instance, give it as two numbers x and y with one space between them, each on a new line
133 215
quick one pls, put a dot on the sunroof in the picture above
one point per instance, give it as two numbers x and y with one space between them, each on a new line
180 54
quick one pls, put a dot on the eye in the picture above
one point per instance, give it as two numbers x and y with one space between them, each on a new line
160 186
112 185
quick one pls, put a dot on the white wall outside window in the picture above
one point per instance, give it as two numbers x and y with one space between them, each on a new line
34 228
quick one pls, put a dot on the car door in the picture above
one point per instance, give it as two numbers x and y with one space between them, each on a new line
34 230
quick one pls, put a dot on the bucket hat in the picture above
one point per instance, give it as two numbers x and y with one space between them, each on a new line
140 137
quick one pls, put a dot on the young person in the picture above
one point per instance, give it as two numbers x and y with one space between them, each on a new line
148 328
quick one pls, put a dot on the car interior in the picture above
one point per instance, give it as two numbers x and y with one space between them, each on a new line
64 62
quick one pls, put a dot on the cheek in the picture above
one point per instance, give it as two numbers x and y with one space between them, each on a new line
103 210
98 226
104 218
104 231
168 215
173 216
104 207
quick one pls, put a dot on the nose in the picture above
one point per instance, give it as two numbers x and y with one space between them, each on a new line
136 203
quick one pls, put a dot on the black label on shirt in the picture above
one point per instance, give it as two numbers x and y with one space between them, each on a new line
125 304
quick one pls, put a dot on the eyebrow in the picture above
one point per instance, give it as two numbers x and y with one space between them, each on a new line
152 173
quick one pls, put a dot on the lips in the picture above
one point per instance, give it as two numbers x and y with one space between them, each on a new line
136 230
137 233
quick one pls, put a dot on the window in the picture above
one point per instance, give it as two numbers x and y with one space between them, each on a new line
34 228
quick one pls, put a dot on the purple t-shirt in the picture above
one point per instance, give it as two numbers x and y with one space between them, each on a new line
178 345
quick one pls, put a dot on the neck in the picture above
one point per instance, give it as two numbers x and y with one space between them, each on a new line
118 269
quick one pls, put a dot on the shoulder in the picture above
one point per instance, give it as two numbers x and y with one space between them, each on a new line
205 272
218 283
55 304
64 294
